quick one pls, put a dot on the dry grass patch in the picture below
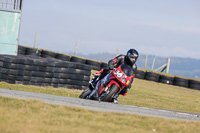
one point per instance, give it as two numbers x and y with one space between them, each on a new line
45 90
37 117
158 95
143 93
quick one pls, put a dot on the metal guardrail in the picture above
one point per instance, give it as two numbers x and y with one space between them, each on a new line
11 4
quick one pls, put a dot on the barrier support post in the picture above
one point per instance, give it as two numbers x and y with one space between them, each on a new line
153 63
35 40
168 64
75 48
145 65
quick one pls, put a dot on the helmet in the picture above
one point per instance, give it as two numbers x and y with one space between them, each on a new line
131 57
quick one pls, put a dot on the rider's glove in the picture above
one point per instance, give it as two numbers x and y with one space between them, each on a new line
111 67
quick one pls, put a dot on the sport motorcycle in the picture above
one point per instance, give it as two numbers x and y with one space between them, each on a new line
109 86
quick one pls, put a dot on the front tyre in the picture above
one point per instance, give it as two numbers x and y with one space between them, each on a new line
85 93
109 94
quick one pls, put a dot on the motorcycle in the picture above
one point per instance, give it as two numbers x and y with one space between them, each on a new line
110 86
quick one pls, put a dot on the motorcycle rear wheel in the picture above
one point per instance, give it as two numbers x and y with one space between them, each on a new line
85 93
109 96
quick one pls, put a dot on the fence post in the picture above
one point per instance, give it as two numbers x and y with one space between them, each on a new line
145 65
163 66
153 63
117 52
168 64
35 39
75 48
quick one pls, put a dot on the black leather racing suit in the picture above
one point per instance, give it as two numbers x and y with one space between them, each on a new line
114 63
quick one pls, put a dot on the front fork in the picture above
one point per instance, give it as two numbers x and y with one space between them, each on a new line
91 94
94 85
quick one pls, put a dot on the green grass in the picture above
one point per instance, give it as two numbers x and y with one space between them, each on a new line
46 90
143 93
158 95
32 116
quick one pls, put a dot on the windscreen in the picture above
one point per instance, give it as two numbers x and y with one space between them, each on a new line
127 69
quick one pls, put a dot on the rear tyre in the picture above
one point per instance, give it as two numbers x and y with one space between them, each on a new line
85 93
108 97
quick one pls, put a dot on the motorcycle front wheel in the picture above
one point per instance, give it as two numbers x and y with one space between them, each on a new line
108 96
85 93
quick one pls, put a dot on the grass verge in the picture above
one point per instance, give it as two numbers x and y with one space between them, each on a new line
143 93
34 116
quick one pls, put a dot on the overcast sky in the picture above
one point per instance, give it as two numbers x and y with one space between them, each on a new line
162 28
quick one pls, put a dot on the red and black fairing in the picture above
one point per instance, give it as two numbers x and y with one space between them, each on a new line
120 77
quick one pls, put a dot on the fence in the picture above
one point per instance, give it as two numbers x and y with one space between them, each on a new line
11 4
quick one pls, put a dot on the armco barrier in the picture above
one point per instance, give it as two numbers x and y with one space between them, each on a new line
55 77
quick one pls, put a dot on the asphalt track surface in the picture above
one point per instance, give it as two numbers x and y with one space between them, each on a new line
101 106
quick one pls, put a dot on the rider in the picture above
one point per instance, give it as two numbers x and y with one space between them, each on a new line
130 59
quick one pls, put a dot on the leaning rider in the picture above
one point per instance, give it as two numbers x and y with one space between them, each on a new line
130 59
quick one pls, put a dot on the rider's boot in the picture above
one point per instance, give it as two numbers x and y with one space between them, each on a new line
94 81
115 99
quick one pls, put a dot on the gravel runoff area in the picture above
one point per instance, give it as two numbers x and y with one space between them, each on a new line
101 106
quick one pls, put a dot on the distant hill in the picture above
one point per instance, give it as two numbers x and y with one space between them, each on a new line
186 67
